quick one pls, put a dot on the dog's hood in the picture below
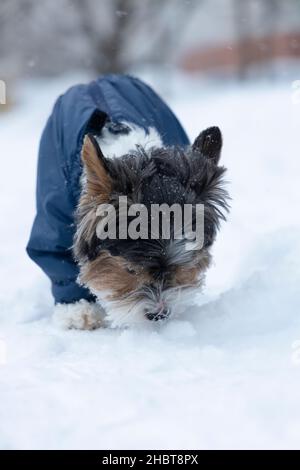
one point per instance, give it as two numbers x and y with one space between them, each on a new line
82 109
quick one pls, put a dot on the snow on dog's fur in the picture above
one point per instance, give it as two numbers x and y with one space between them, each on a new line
140 280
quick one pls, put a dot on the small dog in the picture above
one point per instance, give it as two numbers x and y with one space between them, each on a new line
138 280
110 146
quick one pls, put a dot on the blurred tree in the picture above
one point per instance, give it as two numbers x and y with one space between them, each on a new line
49 37
138 31
106 51
242 22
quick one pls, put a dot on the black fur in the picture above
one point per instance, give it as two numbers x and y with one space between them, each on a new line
164 175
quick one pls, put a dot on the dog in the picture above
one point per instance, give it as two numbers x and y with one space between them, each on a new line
137 280
146 279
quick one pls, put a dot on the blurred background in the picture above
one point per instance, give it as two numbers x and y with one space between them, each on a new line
219 39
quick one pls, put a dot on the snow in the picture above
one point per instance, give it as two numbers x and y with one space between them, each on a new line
225 375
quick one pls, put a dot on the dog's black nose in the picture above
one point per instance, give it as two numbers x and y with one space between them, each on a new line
159 315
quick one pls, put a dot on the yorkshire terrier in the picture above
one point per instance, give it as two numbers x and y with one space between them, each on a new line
137 280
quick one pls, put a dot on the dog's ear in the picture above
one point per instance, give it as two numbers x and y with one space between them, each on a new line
209 144
98 179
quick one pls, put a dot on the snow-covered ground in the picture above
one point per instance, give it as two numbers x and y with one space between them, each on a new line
226 375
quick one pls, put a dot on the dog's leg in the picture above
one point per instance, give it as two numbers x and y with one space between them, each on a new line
81 315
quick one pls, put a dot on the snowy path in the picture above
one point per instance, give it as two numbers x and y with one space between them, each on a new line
224 376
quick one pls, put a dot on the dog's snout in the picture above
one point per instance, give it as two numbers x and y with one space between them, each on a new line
158 315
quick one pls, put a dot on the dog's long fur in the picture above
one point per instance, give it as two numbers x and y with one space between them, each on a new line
138 279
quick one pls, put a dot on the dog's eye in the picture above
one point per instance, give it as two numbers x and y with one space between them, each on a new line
131 271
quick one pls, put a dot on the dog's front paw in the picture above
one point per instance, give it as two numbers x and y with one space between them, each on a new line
81 315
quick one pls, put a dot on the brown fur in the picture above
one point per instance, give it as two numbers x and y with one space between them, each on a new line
96 191
116 275
99 183
190 275
112 273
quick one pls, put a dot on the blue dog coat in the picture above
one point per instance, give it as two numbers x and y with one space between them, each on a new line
110 100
